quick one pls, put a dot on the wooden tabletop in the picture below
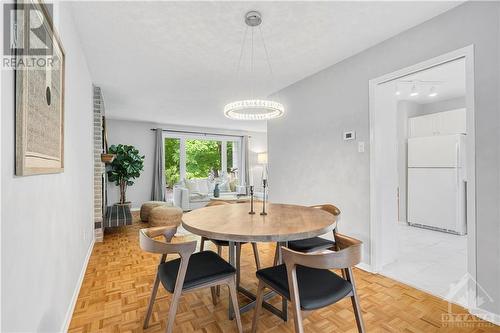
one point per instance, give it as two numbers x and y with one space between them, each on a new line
283 222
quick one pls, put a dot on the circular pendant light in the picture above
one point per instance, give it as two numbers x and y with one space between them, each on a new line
254 109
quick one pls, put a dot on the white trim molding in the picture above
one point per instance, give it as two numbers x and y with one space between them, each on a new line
486 316
365 267
74 298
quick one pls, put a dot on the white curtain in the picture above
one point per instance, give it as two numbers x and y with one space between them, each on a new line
158 193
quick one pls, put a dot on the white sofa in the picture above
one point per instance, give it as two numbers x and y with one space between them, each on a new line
195 193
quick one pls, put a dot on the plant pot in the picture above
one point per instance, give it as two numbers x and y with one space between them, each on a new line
125 204
107 158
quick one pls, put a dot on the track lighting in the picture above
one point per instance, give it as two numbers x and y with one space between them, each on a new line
414 91
432 92
416 87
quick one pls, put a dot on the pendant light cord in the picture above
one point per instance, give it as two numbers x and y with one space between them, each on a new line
241 54
267 53
268 61
240 59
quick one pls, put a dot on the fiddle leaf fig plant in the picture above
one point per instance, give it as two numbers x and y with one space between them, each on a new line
125 168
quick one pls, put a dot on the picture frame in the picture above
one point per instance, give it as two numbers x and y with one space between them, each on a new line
39 98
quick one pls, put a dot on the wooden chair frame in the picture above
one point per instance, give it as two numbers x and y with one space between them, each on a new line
347 256
334 210
329 208
184 250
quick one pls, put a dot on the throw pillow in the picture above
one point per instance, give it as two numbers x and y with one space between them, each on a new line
192 185
232 185
224 186
203 186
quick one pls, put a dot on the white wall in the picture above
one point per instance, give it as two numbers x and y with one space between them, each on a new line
47 227
139 134
310 163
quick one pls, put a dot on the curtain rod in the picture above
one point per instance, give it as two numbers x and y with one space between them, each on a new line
202 133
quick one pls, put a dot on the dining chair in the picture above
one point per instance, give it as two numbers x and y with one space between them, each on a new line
306 280
220 244
189 272
313 244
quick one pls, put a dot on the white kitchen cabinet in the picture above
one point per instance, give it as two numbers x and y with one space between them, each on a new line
452 122
422 126
441 123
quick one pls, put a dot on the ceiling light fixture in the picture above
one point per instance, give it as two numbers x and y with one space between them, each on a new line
254 109
433 92
414 91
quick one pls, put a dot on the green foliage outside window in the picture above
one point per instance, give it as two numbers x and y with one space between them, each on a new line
229 149
202 157
172 161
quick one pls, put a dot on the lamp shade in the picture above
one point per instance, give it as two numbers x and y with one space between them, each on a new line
262 158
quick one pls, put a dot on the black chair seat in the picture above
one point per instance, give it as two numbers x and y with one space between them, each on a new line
310 244
203 267
317 287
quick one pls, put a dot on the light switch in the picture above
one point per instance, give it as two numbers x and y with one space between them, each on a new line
361 147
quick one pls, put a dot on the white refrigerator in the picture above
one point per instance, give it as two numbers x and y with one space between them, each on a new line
437 183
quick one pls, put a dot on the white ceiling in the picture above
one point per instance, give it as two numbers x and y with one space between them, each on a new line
451 76
175 62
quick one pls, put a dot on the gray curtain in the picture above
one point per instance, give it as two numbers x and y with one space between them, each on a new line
245 160
158 193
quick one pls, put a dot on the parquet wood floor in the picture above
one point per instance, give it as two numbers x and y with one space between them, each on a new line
119 277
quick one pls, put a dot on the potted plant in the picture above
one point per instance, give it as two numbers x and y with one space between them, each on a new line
126 167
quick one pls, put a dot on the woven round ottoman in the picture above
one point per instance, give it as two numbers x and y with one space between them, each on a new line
147 206
165 215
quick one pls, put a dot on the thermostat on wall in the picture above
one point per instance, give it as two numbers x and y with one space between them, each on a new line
351 135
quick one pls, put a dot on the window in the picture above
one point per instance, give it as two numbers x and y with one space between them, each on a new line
189 156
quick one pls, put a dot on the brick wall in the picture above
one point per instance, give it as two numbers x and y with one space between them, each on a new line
98 165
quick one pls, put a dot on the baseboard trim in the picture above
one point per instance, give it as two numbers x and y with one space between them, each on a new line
486 316
365 267
69 313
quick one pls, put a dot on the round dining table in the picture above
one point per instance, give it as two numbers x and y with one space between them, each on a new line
282 223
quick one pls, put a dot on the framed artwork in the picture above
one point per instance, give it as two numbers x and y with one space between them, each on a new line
39 95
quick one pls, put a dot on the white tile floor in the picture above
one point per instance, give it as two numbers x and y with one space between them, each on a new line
428 260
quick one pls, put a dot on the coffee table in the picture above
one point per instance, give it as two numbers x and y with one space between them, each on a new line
232 198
